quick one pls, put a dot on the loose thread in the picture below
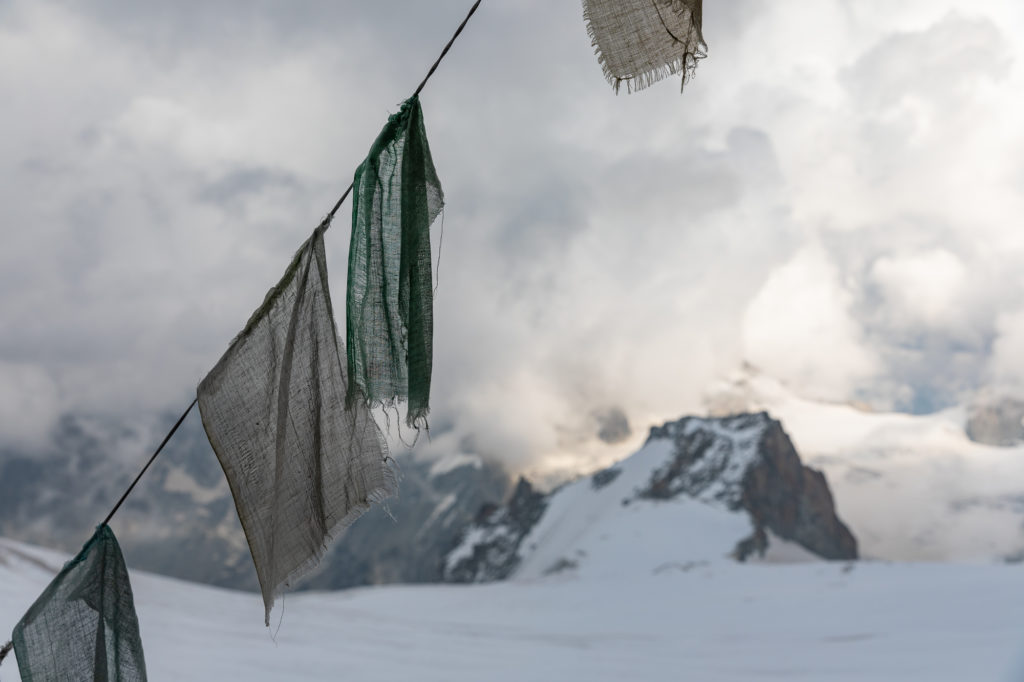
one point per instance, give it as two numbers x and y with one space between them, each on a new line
4 650
440 243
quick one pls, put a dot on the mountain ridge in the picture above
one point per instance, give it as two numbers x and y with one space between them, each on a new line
731 482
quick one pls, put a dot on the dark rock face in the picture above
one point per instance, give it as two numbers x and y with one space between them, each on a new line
493 550
604 477
407 541
794 501
748 462
996 422
710 460
742 462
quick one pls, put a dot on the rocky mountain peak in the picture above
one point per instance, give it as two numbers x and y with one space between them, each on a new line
743 465
748 462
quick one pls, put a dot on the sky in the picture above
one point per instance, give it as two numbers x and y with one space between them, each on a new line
834 200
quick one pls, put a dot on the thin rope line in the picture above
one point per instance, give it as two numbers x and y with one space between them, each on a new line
327 220
330 216
433 68
447 47
159 448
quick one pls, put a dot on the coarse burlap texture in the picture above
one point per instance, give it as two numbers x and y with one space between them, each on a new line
301 464
83 627
639 42
390 296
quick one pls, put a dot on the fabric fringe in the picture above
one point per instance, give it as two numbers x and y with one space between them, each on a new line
686 64
378 496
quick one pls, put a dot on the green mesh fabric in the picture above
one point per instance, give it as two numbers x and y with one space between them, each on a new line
83 626
390 299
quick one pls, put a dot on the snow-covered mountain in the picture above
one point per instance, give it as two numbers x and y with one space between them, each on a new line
911 487
698 491
181 520
713 622
626 574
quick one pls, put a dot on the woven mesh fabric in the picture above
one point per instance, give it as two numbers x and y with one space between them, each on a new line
639 42
83 626
300 463
389 309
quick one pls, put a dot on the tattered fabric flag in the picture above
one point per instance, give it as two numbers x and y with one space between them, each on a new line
301 465
390 300
83 626
639 42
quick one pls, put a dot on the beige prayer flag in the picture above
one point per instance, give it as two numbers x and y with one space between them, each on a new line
639 42
301 465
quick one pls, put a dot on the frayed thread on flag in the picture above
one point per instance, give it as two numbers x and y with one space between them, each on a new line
301 464
640 42
389 309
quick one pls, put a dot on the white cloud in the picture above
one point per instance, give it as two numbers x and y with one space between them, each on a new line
29 404
832 197
923 289
799 329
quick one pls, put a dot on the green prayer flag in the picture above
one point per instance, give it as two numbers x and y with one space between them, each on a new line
389 311
83 626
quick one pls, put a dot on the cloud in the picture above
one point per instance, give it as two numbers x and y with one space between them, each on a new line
29 405
799 328
832 199
1006 366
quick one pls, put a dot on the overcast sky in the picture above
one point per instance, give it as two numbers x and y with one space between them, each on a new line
835 198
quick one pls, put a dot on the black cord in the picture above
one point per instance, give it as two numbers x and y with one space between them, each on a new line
447 47
159 448
328 219
472 10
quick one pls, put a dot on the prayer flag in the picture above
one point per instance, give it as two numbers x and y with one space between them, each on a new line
83 626
301 465
390 297
639 42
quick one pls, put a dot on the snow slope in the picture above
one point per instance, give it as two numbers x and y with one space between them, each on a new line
593 532
911 487
714 622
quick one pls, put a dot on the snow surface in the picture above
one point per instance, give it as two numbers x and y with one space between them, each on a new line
714 621
605 531
911 487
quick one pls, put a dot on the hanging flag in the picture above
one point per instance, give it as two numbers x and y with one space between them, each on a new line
639 42
301 465
390 299
83 626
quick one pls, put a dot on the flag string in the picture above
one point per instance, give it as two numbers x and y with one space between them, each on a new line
153 457
6 648
433 68
327 221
